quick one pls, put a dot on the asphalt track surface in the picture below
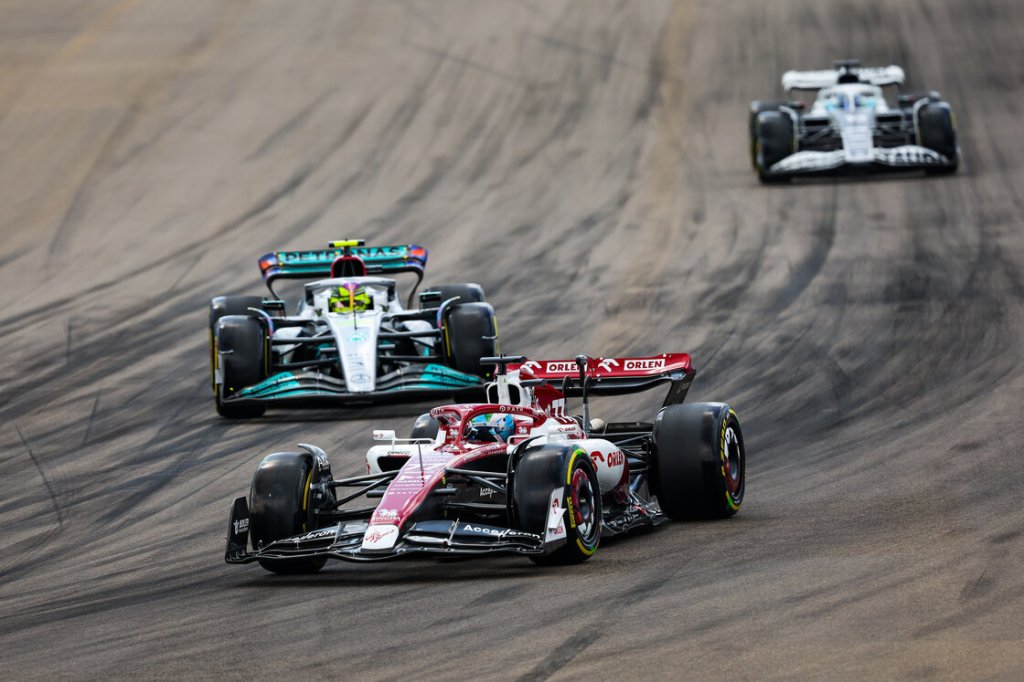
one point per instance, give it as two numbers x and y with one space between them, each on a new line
587 163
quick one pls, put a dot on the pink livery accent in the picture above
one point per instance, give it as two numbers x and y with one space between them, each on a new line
408 490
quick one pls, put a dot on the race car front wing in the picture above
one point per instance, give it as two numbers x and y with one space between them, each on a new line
414 380
348 541
902 157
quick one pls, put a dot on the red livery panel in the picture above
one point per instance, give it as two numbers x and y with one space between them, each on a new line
607 368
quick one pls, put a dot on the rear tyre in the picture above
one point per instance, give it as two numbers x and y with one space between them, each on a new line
567 468
938 133
772 141
425 427
243 362
279 507
699 461
470 333
467 293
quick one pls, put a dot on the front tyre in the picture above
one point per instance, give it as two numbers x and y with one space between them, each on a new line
466 293
279 507
699 461
240 357
938 133
568 470
771 142
470 333
222 306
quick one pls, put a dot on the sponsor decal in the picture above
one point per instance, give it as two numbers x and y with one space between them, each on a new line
317 534
560 367
381 434
607 364
357 338
385 516
380 537
240 526
909 156
612 459
492 532
634 365
328 255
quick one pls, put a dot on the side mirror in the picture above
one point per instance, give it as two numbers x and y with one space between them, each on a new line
384 435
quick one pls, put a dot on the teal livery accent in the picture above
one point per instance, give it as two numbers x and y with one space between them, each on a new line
316 263
432 377
284 382
442 374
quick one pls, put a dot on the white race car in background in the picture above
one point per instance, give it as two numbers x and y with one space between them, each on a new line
850 126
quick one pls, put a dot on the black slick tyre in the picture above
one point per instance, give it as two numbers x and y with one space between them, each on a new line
469 333
466 293
240 355
757 107
699 461
279 507
569 469
425 427
222 306
772 142
938 133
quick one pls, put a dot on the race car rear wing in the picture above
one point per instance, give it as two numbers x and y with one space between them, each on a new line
610 376
816 80
316 264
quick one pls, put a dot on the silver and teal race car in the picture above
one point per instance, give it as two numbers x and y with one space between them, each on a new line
349 339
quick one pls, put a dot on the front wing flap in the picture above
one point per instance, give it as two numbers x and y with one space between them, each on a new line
406 383
903 157
346 541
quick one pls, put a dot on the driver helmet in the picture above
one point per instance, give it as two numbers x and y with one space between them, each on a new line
349 298
491 428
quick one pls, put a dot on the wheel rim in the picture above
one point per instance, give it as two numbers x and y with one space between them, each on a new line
733 461
583 505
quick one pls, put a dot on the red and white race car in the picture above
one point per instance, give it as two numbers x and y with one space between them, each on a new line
516 474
